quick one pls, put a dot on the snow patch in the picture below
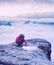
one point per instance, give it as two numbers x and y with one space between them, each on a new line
30 48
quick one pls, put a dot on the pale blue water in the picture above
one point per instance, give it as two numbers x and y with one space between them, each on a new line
9 30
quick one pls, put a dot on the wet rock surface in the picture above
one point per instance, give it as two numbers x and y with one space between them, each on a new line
32 55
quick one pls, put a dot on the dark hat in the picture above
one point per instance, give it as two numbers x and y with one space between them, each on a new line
22 35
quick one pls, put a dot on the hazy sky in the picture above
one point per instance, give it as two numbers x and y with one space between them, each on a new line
26 7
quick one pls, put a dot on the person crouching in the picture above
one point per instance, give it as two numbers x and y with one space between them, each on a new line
20 39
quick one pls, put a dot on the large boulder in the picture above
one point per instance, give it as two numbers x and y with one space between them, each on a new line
27 55
43 45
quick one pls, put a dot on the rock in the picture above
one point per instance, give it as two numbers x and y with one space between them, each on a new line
43 45
12 55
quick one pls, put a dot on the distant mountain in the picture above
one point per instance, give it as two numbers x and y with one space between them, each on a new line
45 23
39 22
27 22
5 22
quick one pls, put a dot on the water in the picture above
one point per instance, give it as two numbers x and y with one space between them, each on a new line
29 29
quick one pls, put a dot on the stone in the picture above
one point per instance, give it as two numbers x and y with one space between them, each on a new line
10 54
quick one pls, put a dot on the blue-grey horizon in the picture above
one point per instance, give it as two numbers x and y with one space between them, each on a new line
25 1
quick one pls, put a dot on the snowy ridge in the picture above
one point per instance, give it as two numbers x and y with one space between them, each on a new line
11 22
39 22
5 22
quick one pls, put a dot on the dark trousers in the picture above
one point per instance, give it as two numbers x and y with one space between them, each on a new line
19 43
